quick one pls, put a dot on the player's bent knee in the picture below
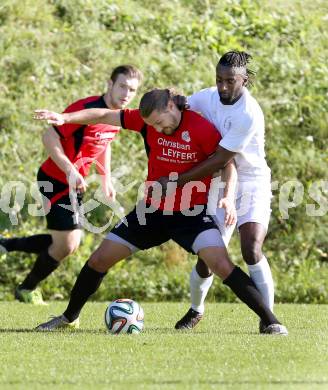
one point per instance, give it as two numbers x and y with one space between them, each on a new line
217 260
202 269
64 244
58 253
107 255
252 252
71 248
64 250
99 262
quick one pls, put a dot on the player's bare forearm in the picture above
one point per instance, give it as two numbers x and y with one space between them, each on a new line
217 161
104 168
93 116
229 177
55 150
104 161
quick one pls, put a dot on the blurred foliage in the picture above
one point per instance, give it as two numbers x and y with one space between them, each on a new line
54 52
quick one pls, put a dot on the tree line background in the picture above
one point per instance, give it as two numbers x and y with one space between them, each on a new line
54 52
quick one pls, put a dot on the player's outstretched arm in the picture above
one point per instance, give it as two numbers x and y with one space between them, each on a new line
83 117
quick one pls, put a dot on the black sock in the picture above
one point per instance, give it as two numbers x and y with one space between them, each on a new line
86 284
243 286
43 267
33 244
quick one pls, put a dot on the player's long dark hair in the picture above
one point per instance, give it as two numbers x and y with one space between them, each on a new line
157 99
238 59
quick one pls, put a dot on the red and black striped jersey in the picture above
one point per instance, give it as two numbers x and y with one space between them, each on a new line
82 144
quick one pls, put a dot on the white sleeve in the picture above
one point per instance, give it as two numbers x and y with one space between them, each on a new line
197 101
241 131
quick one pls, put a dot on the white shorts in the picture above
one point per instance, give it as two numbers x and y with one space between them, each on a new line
253 204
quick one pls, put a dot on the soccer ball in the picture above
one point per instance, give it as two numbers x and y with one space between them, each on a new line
124 316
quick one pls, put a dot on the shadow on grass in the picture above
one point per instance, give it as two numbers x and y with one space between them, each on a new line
162 331
196 331
66 331
87 331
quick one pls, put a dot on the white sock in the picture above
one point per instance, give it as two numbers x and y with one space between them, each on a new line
261 275
198 290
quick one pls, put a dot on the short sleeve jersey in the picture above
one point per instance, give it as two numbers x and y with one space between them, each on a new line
82 144
194 140
242 128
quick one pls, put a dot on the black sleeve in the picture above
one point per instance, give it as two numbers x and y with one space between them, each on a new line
57 131
122 119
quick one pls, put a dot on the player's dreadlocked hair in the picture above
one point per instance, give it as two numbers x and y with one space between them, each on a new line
237 59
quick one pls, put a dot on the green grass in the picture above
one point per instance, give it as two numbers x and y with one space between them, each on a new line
224 351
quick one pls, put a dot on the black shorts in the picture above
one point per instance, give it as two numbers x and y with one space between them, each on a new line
159 228
61 214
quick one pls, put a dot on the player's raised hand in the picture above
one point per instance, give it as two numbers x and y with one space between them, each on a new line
51 117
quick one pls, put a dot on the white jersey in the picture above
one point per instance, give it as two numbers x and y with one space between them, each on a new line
242 128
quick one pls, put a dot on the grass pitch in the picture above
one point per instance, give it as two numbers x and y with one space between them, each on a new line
224 351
